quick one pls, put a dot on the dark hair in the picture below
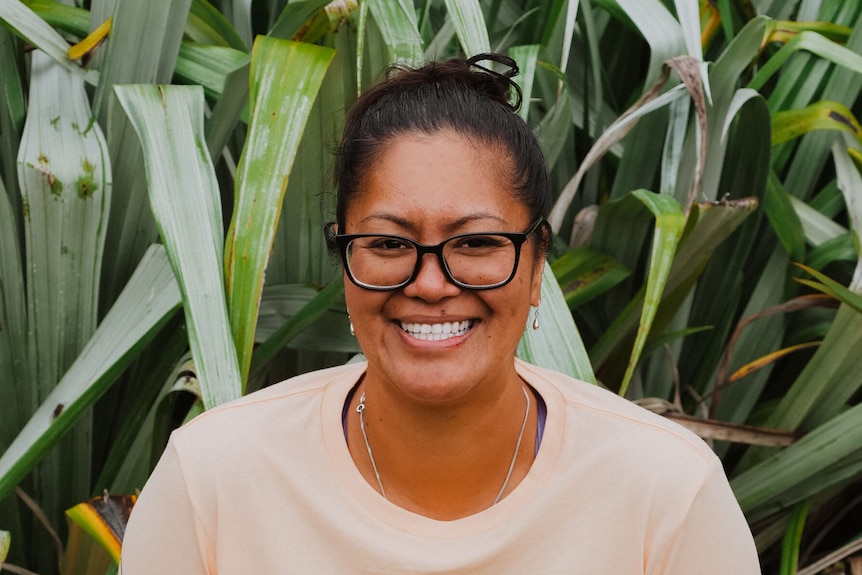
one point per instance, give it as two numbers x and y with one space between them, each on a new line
459 95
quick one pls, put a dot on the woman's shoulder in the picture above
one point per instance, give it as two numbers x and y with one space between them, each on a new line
297 398
593 411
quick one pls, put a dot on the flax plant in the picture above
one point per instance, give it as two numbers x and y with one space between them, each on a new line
174 155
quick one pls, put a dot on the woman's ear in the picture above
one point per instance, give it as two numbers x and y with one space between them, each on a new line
536 287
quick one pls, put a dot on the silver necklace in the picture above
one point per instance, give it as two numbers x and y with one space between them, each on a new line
360 409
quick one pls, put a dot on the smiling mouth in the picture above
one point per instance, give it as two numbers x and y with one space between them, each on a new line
437 331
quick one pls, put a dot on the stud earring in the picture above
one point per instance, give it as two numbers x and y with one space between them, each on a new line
536 319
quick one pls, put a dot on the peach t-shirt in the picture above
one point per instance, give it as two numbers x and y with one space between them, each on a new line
266 485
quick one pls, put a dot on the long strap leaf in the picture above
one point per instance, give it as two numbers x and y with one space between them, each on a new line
104 518
35 30
65 178
65 182
709 225
185 200
669 223
13 324
285 79
556 344
470 26
139 313
659 28
397 23
762 486
811 42
5 542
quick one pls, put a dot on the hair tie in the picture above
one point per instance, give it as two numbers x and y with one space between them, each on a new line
513 70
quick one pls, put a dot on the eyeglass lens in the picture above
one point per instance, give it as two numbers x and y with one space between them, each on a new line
473 260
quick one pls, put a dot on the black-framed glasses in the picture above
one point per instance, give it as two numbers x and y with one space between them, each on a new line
473 261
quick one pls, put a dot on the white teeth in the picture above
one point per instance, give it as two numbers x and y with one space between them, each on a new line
436 331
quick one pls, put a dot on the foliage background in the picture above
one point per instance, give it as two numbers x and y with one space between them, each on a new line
698 151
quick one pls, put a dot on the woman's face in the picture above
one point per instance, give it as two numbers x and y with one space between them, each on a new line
429 188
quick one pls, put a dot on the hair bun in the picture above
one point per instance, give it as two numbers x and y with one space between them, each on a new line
468 73
502 82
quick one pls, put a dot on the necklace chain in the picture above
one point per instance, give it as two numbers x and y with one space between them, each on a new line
361 410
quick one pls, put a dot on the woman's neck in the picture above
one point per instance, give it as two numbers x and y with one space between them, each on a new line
443 461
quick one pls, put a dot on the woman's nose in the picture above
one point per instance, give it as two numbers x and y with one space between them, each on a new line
431 283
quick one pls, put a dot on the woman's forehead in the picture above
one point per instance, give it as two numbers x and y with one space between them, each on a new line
437 170
445 180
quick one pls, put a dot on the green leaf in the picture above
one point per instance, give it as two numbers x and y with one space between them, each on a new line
148 301
304 317
556 344
329 332
169 123
5 542
62 16
832 288
823 115
208 66
555 127
470 27
689 20
133 452
816 227
285 79
761 487
728 103
709 224
208 25
783 218
824 385
658 27
227 112
793 539
611 136
65 179
811 42
13 326
850 184
294 16
837 249
584 273
397 23
822 80
238 13
669 223
36 31
526 57
299 254
13 110
152 32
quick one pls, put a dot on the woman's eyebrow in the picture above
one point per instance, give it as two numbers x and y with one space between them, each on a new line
452 227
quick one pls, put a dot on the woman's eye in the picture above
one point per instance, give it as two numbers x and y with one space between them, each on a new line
384 243
478 242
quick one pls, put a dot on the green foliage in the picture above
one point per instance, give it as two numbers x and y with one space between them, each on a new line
696 151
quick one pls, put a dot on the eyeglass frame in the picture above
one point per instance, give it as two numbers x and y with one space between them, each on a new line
518 239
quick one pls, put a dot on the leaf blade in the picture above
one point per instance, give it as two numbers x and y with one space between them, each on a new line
143 307
169 122
285 76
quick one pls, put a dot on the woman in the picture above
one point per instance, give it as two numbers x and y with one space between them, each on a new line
442 453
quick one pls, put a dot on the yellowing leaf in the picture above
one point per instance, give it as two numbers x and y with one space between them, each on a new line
104 518
822 115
